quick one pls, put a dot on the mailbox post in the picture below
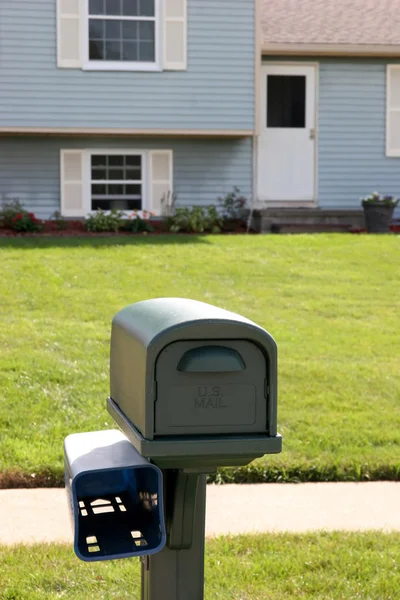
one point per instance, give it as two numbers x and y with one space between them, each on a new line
193 388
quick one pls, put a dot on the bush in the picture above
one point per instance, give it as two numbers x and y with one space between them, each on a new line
233 205
380 200
104 222
59 221
136 224
10 210
195 220
25 222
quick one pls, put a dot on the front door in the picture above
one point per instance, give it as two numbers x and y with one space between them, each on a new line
286 150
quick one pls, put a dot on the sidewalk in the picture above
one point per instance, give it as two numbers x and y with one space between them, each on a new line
31 516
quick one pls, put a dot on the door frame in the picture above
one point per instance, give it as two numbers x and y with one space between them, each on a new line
292 204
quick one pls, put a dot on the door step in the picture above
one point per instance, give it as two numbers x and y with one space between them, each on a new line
307 220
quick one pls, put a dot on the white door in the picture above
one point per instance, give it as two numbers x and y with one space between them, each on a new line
286 151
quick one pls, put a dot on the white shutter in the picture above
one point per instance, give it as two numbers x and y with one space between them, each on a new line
393 111
72 175
161 178
69 44
175 35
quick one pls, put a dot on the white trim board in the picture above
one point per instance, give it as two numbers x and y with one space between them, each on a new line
126 132
368 50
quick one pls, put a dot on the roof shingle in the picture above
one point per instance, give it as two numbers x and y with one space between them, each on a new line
351 22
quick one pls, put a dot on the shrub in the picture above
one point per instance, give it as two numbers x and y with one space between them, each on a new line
195 220
59 220
25 222
101 221
136 224
233 205
213 219
379 199
10 210
168 202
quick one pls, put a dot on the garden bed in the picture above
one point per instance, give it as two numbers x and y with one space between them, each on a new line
228 215
73 228
77 229
393 229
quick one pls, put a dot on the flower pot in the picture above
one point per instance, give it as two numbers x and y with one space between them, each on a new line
378 217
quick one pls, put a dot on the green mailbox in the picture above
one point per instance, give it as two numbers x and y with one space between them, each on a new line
192 385
193 388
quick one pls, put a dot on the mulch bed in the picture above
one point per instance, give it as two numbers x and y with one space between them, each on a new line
77 229
393 229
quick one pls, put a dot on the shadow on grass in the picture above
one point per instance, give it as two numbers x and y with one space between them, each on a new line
29 242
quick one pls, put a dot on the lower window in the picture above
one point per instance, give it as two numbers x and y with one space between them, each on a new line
116 181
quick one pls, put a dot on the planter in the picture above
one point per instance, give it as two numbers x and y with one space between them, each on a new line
378 217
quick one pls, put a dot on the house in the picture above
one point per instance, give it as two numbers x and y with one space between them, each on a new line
117 103
114 103
329 112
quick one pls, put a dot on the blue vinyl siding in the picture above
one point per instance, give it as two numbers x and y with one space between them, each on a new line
216 92
203 169
352 133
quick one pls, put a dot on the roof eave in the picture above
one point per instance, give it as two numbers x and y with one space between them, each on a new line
371 50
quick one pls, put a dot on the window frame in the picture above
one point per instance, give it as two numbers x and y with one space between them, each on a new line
116 152
111 65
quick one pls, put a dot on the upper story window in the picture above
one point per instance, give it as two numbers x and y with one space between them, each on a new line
122 30
122 35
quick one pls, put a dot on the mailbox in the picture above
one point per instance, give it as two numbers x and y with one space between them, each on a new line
115 497
192 385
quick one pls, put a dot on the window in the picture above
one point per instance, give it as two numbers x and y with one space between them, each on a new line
116 181
122 31
124 179
122 35
286 101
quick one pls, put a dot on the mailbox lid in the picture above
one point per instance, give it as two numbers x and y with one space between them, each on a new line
211 387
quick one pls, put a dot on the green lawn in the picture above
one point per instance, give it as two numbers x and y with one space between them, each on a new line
319 566
332 302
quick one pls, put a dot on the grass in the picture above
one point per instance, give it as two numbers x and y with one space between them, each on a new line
318 566
331 302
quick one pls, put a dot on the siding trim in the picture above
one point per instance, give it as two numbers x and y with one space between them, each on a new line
391 152
258 62
72 131
370 50
257 98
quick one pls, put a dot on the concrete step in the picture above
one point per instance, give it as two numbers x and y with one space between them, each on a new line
307 220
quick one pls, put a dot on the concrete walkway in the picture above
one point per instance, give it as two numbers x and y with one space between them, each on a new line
31 516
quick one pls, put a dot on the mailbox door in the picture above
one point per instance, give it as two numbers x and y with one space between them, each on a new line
211 387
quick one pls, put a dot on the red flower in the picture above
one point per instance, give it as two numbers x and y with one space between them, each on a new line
31 216
18 217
